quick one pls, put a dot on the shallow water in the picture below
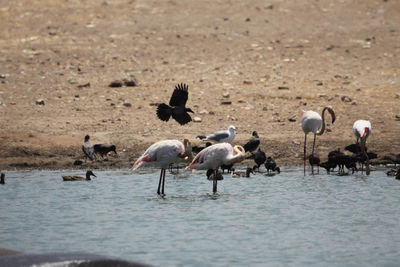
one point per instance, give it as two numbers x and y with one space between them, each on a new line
286 219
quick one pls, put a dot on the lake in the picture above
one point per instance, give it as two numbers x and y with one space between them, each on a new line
286 219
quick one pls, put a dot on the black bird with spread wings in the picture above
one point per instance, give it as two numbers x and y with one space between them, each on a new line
176 107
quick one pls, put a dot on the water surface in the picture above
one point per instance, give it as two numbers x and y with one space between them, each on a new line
286 219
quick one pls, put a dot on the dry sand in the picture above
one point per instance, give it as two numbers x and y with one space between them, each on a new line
270 59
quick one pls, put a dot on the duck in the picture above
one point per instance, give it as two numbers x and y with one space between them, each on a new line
2 181
79 178
237 174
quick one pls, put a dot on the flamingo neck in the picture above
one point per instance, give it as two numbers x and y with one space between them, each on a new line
322 130
366 132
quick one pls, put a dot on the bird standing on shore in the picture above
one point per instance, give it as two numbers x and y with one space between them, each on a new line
362 129
253 143
162 154
223 136
177 106
103 149
88 149
312 122
259 158
2 180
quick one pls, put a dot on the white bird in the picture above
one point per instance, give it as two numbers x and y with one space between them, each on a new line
223 136
162 154
214 156
312 122
362 129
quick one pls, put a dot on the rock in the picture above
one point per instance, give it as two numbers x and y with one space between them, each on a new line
3 76
294 142
226 95
346 99
303 103
397 117
116 83
354 103
319 83
203 112
40 102
226 102
197 119
322 95
131 82
128 105
247 82
292 118
283 88
84 85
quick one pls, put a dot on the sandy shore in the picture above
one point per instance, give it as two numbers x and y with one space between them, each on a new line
270 61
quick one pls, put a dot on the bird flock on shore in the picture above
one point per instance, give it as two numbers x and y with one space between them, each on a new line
218 151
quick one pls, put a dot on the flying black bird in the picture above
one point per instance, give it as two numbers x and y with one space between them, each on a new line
253 143
176 107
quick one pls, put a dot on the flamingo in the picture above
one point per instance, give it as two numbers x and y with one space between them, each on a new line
214 156
162 154
312 122
362 129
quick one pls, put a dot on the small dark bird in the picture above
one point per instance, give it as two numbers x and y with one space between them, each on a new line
229 168
79 178
314 160
354 148
270 165
238 174
396 159
88 149
176 107
2 176
392 172
197 149
211 175
328 165
259 158
103 149
253 143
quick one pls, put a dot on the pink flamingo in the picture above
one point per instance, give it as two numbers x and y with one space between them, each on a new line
214 156
163 154
362 129
312 122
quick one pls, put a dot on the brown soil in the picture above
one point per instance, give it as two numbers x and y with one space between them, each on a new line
270 60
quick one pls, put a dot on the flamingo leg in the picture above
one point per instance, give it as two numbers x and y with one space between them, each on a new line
215 181
312 153
367 169
305 146
163 182
159 182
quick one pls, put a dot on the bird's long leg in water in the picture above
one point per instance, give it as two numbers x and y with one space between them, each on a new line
215 181
163 182
305 150
312 153
159 182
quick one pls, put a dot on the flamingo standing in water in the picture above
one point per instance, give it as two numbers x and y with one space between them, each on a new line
362 129
162 154
312 122
214 156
